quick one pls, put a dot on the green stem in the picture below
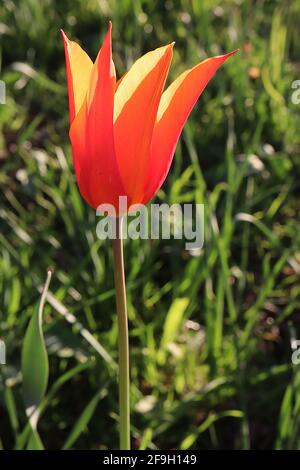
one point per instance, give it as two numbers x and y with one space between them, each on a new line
124 400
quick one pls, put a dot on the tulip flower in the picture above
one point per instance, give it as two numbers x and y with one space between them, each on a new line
124 134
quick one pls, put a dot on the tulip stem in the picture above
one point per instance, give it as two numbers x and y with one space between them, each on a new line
124 400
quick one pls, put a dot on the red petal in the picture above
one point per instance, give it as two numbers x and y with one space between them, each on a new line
92 135
175 106
136 103
79 67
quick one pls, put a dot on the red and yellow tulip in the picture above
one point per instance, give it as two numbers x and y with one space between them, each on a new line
124 133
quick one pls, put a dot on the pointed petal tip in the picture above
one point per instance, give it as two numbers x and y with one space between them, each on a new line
170 45
109 31
169 48
223 57
64 36
231 53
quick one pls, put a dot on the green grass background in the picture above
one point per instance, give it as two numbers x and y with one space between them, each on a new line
210 332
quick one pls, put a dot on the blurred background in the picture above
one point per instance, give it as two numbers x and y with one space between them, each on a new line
211 332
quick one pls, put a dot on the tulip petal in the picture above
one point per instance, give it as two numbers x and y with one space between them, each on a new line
79 67
136 103
120 80
175 106
92 134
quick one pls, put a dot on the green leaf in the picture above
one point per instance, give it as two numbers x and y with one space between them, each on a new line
173 320
67 376
35 369
172 324
84 419
146 439
11 409
35 442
